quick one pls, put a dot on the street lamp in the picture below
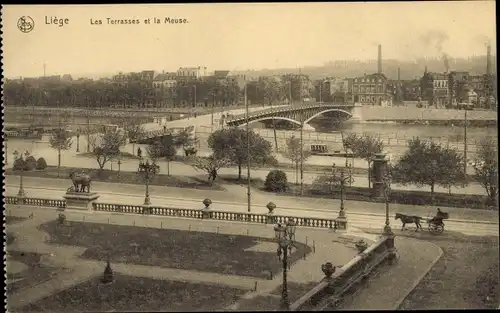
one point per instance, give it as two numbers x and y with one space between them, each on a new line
6 152
148 171
342 179
78 140
285 237
19 156
387 190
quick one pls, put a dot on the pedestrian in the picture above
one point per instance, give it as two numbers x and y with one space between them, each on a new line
164 128
139 152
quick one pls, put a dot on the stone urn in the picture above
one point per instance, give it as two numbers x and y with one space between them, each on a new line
107 278
206 214
328 269
361 245
270 207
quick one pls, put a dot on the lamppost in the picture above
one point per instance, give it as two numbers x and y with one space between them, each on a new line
387 190
78 140
342 180
285 236
19 156
147 170
6 152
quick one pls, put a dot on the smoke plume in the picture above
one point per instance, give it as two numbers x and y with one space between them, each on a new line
446 62
434 38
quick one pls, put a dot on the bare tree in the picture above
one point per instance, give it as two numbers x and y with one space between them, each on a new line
134 132
210 165
295 153
106 147
60 139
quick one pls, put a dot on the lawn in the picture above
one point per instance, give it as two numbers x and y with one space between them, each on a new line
9 219
123 177
187 250
128 293
462 279
35 273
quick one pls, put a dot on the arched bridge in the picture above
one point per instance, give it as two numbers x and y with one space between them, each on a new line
296 114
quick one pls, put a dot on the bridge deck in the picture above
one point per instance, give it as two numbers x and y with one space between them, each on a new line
288 108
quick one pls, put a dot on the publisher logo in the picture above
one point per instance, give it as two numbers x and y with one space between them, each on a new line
25 24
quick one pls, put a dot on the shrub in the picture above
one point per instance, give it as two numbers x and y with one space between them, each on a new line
41 164
30 163
276 181
19 164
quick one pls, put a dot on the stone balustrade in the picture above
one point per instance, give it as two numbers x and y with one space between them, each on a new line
182 212
329 292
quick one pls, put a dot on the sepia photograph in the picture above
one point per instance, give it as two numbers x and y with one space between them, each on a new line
250 157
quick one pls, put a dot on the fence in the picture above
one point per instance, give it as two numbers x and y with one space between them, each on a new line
182 212
395 143
329 292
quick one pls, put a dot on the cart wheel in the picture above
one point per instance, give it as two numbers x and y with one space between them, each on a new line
439 229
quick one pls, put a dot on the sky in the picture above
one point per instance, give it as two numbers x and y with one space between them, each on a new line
239 36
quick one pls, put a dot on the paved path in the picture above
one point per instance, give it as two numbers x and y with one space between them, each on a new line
390 286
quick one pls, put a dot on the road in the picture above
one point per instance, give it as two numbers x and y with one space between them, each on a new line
361 214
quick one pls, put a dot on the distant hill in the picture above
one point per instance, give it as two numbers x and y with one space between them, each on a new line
409 69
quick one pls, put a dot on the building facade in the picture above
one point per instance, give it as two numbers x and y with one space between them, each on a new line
371 90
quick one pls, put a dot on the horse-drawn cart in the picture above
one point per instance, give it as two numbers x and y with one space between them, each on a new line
435 224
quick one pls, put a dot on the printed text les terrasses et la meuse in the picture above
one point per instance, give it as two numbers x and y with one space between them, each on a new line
154 20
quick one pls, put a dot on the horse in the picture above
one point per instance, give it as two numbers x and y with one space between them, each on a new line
81 180
407 219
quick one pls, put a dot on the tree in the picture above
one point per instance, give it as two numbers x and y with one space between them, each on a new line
486 166
365 147
105 147
428 163
232 143
134 132
276 180
295 152
163 148
185 140
331 180
210 165
59 140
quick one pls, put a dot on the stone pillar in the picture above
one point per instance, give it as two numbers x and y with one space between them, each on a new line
356 112
379 170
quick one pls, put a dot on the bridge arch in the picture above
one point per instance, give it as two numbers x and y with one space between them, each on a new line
325 111
273 118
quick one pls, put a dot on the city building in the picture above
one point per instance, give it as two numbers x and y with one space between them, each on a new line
371 90
191 72
459 86
435 88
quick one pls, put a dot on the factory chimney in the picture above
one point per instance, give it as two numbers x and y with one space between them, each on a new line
379 70
488 60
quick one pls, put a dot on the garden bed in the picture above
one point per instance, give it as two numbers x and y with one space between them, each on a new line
137 294
35 273
181 249
122 177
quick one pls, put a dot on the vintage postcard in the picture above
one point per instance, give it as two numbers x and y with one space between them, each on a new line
250 156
